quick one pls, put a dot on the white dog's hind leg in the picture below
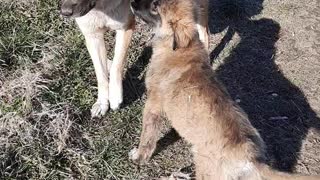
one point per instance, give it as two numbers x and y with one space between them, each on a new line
96 47
123 38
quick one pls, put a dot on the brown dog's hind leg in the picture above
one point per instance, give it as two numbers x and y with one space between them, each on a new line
206 168
150 133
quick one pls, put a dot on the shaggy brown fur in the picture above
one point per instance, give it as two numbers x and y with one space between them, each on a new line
182 87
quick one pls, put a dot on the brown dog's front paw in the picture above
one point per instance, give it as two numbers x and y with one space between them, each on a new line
138 156
177 176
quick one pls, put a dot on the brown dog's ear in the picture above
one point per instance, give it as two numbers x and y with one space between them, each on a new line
183 34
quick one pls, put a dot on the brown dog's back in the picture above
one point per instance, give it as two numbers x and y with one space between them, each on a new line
201 111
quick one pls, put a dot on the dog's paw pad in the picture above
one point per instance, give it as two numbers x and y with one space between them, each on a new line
180 176
177 176
138 156
99 109
115 99
134 154
115 105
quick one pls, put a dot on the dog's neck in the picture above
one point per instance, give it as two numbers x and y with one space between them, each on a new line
165 41
164 53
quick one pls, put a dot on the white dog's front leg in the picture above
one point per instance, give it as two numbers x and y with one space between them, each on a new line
96 47
123 38
203 35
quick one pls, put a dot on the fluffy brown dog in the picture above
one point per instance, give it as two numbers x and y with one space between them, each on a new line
182 87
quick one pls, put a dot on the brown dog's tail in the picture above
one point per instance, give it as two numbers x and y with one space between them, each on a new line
270 174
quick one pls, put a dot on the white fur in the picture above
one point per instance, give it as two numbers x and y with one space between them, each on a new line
116 15
133 154
116 71
203 35
97 50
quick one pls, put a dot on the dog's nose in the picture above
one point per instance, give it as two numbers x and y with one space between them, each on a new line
66 12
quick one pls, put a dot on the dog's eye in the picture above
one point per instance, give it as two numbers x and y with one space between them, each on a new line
156 3
154 6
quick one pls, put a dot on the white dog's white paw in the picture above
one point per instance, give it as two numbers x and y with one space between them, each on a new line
115 95
133 154
99 109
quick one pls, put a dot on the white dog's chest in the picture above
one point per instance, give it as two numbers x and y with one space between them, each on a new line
96 20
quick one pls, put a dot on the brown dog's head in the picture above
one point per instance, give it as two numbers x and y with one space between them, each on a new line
76 8
169 17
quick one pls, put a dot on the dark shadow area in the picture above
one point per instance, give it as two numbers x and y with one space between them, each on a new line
133 86
170 138
276 107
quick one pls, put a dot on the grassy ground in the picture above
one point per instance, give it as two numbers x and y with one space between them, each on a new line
266 53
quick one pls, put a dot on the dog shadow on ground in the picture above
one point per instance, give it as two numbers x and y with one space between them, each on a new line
133 84
276 107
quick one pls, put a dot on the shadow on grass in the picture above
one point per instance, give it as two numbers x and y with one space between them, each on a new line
134 87
169 138
276 107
